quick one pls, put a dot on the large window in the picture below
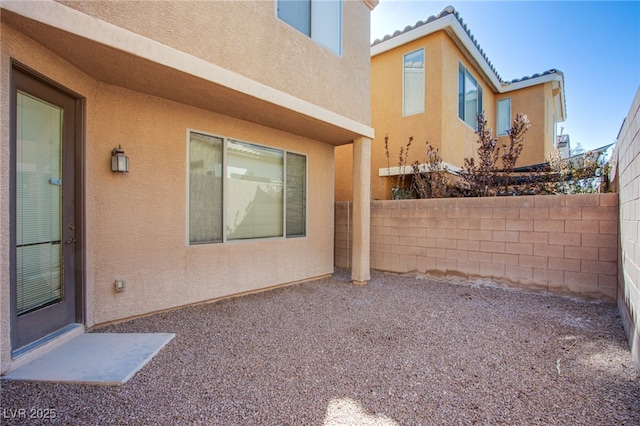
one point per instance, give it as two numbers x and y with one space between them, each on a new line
413 83
319 19
504 116
469 97
240 190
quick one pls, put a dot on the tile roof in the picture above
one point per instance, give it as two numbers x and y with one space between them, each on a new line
450 10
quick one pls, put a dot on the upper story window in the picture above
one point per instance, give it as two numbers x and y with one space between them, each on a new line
469 97
240 190
319 19
413 83
504 116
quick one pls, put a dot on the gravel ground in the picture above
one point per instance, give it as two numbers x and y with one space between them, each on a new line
399 350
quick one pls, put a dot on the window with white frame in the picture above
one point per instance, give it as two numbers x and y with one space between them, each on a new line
319 19
504 116
240 190
413 83
469 97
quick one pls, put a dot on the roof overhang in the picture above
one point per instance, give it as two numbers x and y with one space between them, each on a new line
555 77
452 26
122 58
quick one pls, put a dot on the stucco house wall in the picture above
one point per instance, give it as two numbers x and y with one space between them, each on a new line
140 225
458 139
246 37
530 101
145 95
540 97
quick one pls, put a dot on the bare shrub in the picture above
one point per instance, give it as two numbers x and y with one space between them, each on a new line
430 179
588 173
512 151
480 175
399 190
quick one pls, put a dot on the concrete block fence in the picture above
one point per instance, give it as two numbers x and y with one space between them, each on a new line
563 244
627 178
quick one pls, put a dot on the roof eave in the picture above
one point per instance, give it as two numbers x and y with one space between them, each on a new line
555 76
452 26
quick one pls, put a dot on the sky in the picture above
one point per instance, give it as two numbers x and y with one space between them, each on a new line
596 44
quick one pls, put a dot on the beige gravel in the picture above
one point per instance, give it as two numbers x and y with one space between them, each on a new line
399 350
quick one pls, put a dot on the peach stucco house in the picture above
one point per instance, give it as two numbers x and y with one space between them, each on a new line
429 81
228 114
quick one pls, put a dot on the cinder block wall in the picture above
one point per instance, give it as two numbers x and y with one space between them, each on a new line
343 235
627 177
566 244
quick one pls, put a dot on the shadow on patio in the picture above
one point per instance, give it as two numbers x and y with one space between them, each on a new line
399 350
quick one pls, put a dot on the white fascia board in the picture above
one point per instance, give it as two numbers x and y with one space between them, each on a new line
408 170
509 87
409 36
72 21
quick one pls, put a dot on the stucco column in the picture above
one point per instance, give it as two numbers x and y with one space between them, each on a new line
360 273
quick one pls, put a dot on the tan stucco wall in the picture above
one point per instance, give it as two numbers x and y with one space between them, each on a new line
136 222
459 139
20 48
149 214
439 124
532 101
246 37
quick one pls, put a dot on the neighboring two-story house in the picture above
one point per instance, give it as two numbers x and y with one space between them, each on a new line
160 154
430 81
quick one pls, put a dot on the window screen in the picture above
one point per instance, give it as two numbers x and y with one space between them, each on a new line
413 90
326 24
504 116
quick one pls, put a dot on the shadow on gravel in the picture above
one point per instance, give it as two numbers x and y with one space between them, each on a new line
399 350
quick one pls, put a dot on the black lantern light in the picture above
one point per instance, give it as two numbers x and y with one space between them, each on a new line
119 161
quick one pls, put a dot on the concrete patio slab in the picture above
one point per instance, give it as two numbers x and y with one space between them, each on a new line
94 358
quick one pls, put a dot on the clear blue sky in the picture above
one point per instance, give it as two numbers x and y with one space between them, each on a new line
596 44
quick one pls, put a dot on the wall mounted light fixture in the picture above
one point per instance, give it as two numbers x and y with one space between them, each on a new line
119 161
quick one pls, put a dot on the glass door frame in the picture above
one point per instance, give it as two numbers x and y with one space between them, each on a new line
26 80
